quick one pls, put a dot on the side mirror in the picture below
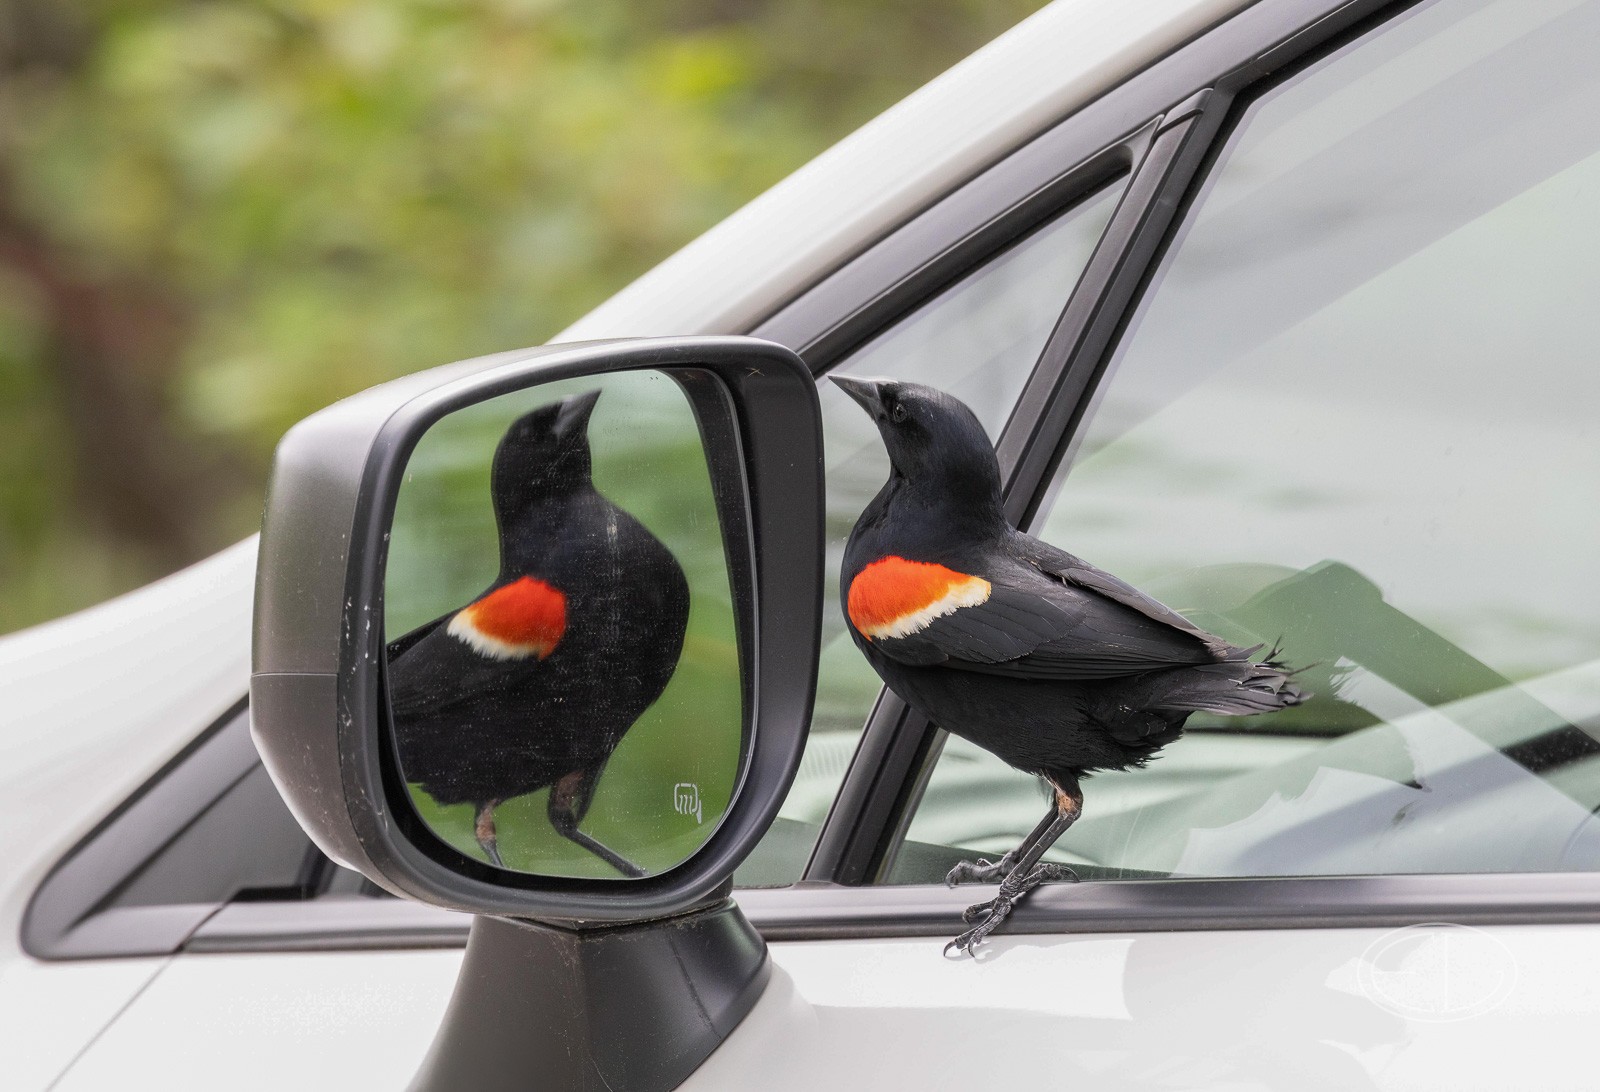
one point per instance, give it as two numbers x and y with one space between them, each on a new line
536 639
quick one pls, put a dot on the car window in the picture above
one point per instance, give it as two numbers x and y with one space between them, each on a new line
180 844
208 830
979 339
1355 417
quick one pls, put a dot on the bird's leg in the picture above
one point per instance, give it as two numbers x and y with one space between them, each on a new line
1041 872
569 801
483 828
984 870
1027 873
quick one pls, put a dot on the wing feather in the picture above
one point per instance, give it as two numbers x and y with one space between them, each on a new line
1077 571
1071 621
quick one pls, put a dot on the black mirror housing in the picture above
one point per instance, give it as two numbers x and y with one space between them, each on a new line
318 705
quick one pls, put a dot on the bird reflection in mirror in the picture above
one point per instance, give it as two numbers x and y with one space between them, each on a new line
534 683
1054 666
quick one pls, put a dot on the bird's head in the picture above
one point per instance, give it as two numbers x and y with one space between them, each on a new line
545 453
934 441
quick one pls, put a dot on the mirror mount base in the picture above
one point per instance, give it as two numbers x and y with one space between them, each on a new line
636 1006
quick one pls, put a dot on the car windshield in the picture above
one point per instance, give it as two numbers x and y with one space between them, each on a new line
1354 419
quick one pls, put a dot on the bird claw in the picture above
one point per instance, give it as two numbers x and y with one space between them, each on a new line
982 870
978 871
1048 872
993 913
985 916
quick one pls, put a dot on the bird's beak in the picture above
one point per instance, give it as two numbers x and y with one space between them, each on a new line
864 391
573 417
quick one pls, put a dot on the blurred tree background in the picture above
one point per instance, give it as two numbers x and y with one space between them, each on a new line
217 216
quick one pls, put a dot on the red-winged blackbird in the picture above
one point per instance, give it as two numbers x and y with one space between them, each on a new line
1056 667
535 682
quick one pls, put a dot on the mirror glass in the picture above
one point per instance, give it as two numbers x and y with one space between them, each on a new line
563 667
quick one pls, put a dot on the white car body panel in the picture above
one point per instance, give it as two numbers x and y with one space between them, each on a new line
1245 1010
1242 1010
92 705
51 1012
331 1020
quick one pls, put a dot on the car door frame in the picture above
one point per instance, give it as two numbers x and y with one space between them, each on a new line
1156 135
1179 114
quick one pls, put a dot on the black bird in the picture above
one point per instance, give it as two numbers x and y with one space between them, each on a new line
1056 667
535 682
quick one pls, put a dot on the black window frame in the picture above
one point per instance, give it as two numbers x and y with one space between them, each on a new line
77 911
898 748
1190 101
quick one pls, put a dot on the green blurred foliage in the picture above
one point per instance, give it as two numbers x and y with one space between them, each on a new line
443 553
216 217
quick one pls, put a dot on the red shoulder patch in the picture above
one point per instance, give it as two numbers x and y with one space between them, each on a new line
893 597
525 618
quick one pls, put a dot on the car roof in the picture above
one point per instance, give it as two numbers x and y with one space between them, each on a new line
1019 85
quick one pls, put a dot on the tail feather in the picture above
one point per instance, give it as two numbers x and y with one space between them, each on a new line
1233 687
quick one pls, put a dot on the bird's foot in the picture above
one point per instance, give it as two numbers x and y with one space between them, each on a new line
1043 872
982 870
990 915
1048 872
985 916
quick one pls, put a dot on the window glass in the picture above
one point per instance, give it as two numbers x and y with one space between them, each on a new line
1356 414
979 340
206 861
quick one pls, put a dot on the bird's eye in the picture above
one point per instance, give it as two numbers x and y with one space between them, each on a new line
898 414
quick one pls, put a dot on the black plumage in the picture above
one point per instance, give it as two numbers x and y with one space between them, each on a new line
1058 668
535 682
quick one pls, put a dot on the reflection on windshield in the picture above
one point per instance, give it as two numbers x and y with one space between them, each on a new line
1373 340
1355 412
1470 773
1368 346
1464 772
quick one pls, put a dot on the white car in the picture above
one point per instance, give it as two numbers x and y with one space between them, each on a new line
1283 310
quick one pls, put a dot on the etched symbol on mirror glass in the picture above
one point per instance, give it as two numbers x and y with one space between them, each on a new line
686 800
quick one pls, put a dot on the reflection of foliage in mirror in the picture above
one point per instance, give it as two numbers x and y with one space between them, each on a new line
648 460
